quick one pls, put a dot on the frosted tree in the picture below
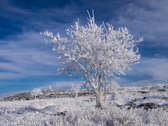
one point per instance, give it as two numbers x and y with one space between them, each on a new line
76 89
95 52
35 92
49 88
113 90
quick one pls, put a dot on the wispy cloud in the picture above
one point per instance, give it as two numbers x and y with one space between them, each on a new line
149 71
146 18
155 67
61 85
26 56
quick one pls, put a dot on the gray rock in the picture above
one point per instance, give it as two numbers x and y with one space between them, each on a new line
162 90
147 106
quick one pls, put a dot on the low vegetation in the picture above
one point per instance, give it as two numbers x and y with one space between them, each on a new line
132 106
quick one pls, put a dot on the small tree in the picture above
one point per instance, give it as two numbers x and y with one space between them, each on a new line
35 92
49 88
76 89
96 53
113 90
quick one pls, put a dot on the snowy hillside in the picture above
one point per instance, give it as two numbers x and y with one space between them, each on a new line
133 106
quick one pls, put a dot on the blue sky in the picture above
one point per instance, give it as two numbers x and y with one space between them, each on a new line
27 62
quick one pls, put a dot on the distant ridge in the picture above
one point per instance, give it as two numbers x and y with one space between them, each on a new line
47 95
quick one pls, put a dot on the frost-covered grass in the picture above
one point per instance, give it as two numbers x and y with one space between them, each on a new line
82 112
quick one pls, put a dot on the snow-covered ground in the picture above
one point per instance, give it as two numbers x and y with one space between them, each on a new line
38 111
81 111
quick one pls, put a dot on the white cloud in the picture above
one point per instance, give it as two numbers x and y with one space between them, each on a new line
27 55
146 18
150 70
61 85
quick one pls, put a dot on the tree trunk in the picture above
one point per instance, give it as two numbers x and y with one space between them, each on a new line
105 99
99 99
99 92
106 86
